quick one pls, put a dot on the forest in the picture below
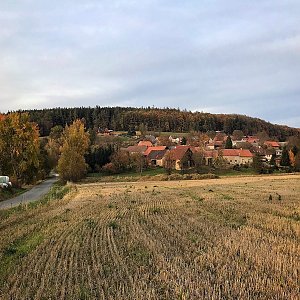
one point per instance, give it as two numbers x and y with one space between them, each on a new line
156 119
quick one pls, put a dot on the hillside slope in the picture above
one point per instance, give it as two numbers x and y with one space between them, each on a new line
155 119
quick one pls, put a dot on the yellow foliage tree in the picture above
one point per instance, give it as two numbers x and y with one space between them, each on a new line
292 158
19 147
71 164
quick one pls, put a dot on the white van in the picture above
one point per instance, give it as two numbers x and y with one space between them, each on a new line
4 182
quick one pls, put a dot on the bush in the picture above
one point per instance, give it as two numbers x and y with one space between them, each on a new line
187 176
175 177
205 176
160 177
109 168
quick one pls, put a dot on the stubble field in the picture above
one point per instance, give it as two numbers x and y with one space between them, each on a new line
235 238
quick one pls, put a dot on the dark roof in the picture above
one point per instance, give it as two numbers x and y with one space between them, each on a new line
156 154
179 152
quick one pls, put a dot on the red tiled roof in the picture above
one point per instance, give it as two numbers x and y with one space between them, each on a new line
156 148
145 143
237 152
272 144
245 153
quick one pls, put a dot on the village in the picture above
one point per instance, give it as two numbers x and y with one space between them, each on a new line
184 152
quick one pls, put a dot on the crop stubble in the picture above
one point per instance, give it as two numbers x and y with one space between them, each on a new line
222 239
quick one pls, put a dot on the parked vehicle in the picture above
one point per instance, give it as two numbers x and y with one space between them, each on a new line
4 182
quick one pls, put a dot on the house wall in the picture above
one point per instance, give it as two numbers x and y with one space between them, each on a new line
234 160
177 165
246 160
160 162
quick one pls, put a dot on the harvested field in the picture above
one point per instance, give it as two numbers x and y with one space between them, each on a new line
233 238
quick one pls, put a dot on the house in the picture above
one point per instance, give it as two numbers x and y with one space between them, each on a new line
181 157
151 138
251 140
176 140
238 156
156 157
210 156
272 144
145 143
154 148
215 144
220 137
135 149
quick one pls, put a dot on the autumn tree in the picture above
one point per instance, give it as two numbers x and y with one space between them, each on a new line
292 158
297 162
45 165
54 144
187 160
295 150
138 162
164 141
19 148
143 129
168 163
199 160
121 161
71 164
237 135
220 162
262 136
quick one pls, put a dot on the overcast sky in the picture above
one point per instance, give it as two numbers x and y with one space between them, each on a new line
215 56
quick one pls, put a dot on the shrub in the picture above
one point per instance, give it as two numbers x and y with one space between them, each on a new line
175 177
187 176
109 168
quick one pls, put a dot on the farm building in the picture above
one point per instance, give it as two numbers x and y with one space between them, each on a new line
238 156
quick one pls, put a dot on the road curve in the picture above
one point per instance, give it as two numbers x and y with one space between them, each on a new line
32 195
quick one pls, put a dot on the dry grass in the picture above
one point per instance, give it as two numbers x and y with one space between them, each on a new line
208 239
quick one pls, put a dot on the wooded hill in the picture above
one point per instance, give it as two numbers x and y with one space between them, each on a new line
155 119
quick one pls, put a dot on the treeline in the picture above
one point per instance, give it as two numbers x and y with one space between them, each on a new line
154 119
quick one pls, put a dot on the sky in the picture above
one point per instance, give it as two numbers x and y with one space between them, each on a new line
214 56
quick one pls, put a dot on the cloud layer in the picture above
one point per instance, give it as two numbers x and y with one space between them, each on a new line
215 56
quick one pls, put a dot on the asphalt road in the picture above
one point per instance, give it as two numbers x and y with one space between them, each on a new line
32 195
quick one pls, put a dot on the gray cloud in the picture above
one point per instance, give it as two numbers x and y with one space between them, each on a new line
215 56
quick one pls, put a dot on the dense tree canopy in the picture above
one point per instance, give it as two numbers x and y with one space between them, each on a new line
19 147
154 119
